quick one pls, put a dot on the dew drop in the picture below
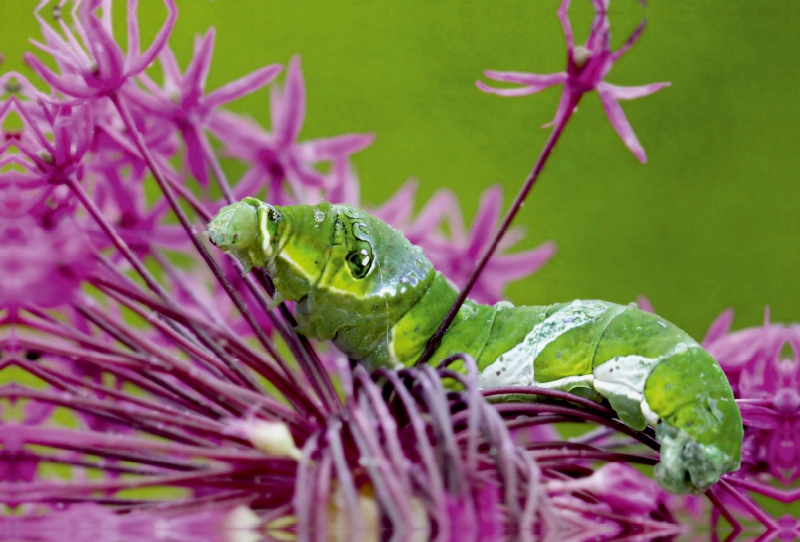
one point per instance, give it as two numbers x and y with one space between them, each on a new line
681 348
633 305
319 216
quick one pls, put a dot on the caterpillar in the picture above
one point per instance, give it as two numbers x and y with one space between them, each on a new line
361 284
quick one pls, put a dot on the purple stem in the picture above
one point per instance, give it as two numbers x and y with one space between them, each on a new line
720 507
512 212
751 507
65 381
785 497
323 385
304 354
511 409
291 390
552 394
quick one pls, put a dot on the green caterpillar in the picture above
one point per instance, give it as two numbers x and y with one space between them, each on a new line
364 286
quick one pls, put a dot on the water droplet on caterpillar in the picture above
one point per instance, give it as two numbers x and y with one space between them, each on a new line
680 348
319 216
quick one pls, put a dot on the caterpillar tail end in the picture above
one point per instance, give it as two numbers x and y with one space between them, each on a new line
688 466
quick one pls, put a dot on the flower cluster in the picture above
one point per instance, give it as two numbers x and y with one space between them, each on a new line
763 367
157 397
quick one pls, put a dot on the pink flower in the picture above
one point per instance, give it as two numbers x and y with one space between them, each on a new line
183 100
42 267
278 160
587 67
96 67
763 366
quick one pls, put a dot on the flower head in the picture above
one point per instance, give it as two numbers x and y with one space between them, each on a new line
763 366
92 64
277 160
587 67
183 100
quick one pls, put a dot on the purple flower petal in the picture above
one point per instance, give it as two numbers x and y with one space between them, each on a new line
242 86
631 93
289 120
336 147
533 82
630 42
485 223
105 51
195 155
68 84
159 42
620 122
719 327
194 80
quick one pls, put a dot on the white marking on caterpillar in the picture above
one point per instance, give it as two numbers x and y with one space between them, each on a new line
515 366
288 259
266 246
650 417
625 376
564 383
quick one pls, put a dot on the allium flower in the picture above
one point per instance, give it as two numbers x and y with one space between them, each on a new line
182 98
92 65
587 67
278 161
764 369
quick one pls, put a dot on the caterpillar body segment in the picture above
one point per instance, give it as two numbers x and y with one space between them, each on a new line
364 286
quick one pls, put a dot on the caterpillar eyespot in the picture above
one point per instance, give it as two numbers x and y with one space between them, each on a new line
362 285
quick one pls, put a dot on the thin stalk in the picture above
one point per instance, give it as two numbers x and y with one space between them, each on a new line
749 505
323 386
720 507
299 345
779 495
291 393
501 231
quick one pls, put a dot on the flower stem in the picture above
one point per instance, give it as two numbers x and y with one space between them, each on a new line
512 212
319 378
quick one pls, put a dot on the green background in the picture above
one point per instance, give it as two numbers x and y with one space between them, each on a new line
710 222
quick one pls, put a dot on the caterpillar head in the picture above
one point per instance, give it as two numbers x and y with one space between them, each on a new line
352 275
244 230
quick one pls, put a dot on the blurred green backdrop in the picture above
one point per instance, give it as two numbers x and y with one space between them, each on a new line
710 222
